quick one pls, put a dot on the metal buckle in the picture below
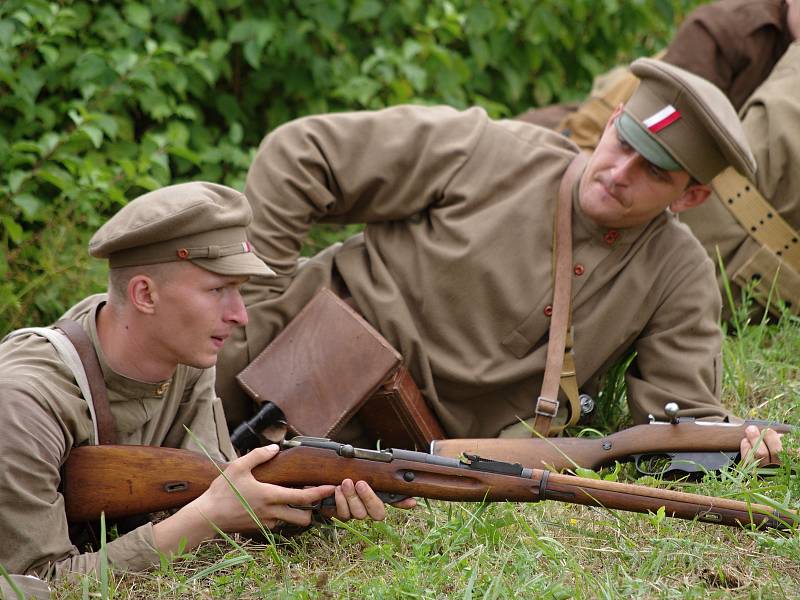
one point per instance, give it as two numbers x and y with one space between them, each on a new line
542 406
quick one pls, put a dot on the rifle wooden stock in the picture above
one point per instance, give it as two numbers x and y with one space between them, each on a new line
125 480
592 453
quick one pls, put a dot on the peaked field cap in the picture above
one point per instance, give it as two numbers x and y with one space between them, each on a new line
676 118
200 222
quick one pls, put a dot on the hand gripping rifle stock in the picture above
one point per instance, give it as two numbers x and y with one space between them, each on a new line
688 446
124 480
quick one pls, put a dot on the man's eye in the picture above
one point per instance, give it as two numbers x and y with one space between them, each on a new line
659 173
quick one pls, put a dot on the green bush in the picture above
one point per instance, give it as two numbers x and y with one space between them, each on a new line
101 101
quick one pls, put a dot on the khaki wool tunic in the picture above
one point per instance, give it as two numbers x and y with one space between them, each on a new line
454 266
44 416
769 118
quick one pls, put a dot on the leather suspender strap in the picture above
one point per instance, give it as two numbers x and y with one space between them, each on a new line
106 425
757 216
547 402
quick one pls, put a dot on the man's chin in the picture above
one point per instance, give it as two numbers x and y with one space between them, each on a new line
602 216
203 362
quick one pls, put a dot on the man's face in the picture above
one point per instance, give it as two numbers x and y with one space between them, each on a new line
621 189
195 312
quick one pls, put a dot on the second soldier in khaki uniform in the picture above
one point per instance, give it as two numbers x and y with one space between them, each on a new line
454 266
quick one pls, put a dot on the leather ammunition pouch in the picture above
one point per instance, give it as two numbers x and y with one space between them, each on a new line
770 278
773 271
328 365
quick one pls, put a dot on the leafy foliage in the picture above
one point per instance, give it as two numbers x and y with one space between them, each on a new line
102 101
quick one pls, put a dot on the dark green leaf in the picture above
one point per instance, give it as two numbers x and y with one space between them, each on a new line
28 204
15 179
95 134
14 229
137 15
363 10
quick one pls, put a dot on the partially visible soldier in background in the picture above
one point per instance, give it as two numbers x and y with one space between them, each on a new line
748 49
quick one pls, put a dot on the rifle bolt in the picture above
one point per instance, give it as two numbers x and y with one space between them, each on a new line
408 476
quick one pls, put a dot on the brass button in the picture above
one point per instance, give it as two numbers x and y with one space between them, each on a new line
579 269
548 310
162 389
611 236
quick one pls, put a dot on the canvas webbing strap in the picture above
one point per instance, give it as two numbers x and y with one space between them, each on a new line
560 366
757 216
106 425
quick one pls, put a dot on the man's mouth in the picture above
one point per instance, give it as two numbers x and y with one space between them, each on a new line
219 340
608 191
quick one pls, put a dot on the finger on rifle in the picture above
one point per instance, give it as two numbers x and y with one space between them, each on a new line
772 439
292 516
374 506
342 507
354 504
405 504
254 458
753 447
298 497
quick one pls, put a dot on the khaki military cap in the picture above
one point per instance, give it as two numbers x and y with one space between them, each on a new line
680 121
200 222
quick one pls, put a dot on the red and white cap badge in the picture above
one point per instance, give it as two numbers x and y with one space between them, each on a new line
663 118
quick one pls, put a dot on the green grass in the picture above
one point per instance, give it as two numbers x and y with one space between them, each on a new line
545 550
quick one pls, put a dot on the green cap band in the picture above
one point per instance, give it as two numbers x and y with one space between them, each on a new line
645 144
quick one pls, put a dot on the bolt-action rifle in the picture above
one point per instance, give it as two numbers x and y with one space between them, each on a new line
125 480
680 446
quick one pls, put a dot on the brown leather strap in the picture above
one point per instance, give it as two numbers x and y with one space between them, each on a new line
547 403
106 425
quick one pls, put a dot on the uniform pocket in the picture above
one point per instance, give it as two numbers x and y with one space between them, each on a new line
528 333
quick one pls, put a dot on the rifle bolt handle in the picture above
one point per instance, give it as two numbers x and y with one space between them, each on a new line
671 410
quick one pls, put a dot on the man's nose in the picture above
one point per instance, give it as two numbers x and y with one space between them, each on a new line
236 312
622 170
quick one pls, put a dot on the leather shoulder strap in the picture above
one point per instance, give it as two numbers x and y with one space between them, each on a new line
106 425
547 402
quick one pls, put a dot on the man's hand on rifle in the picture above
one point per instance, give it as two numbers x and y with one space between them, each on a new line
272 504
359 501
764 449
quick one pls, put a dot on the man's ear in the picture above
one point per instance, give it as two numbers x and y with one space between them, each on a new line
142 294
613 116
692 196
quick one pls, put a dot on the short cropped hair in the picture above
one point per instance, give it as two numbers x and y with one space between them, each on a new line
119 277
